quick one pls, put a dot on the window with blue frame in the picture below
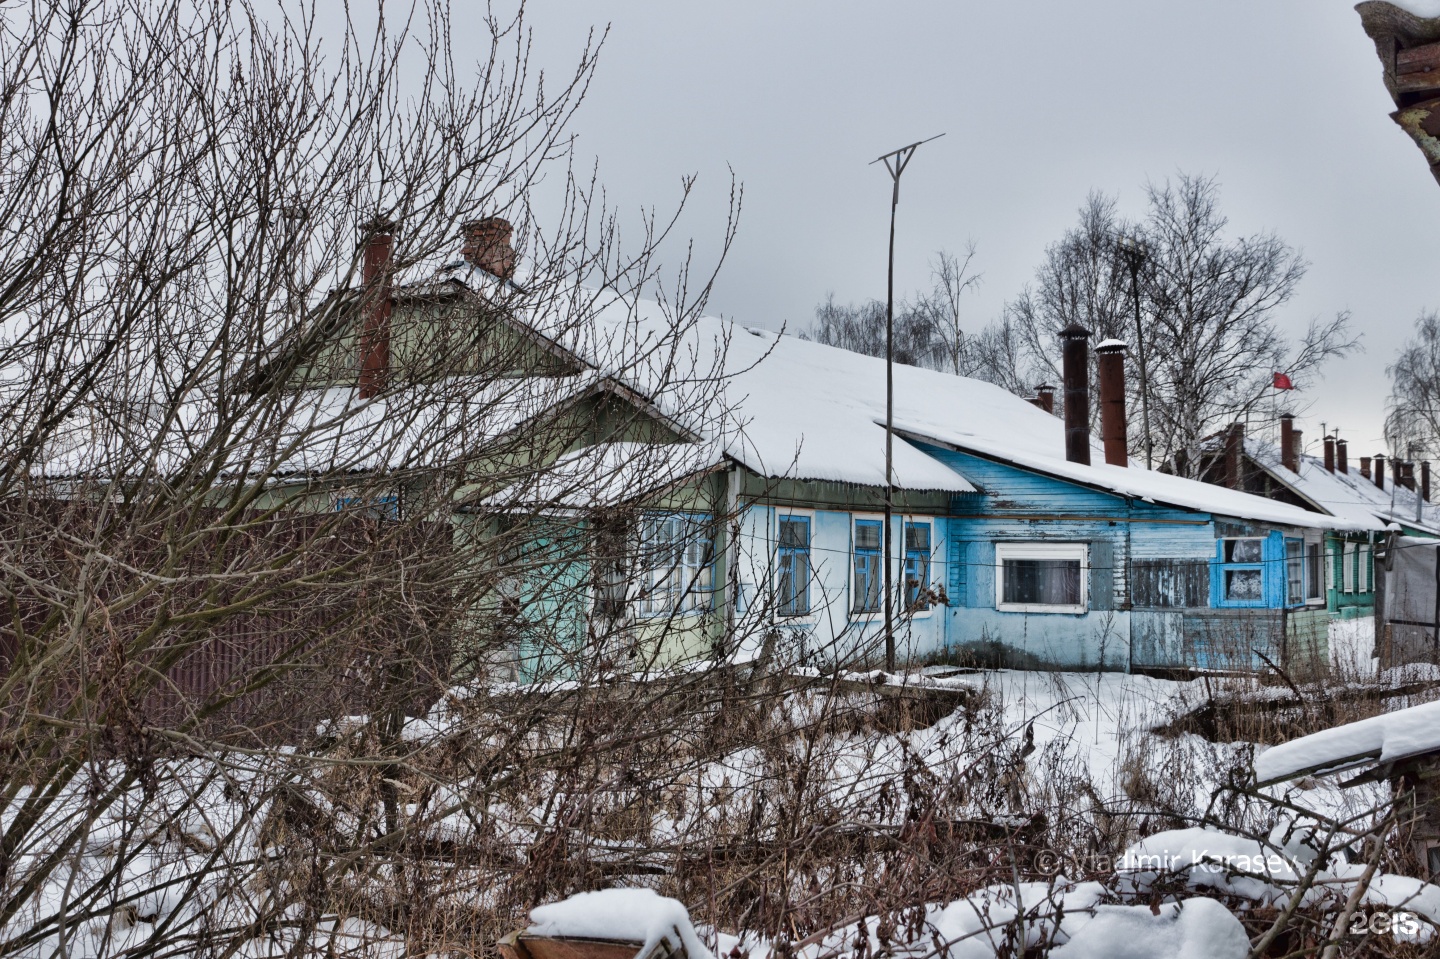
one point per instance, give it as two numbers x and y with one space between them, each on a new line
1242 572
794 563
677 555
385 506
917 566
866 583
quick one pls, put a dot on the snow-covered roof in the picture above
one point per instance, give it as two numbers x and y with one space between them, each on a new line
1345 495
791 408
608 474
787 407
1385 738
781 406
333 430
841 397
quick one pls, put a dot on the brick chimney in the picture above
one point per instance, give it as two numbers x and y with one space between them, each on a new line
1288 457
486 244
376 268
1342 458
1075 363
1425 480
1045 398
1329 454
1365 467
1234 453
1407 474
1380 471
1110 359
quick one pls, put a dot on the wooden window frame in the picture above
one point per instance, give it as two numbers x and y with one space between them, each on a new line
792 554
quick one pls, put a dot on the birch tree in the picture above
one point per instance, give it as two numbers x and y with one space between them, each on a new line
1413 421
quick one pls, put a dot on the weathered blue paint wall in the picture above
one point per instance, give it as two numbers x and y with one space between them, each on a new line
1023 507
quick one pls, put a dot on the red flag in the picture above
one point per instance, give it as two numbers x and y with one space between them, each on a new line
1282 382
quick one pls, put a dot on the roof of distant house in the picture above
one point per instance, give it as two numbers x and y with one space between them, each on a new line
1346 495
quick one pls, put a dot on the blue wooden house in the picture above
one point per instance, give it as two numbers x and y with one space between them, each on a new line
739 507
1006 548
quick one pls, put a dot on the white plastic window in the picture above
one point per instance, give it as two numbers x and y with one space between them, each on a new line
1041 577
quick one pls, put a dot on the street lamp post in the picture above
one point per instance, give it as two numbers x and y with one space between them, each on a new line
1135 254
895 162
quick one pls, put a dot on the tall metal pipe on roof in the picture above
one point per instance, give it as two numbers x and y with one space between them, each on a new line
1114 432
1288 457
1075 364
1329 454
1380 470
1234 451
1425 480
1342 457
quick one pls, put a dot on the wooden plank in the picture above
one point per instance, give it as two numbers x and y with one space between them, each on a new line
1418 69
524 946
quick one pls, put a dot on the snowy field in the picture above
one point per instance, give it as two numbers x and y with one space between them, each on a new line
1048 811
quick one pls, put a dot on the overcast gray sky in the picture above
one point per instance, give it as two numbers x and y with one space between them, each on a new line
1041 102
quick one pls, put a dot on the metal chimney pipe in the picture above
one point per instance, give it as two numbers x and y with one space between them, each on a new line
1407 474
376 269
1075 362
1342 458
1365 467
1425 480
1110 359
1045 398
1288 459
1299 448
1234 449
1380 471
1329 454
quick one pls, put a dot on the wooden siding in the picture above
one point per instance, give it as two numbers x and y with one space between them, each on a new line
1169 583
1153 588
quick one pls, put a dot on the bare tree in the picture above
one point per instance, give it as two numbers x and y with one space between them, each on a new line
298 659
861 329
928 329
943 308
1210 306
217 548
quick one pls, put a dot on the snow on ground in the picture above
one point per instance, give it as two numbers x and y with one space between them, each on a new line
1097 716
1352 642
1084 744
1071 917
